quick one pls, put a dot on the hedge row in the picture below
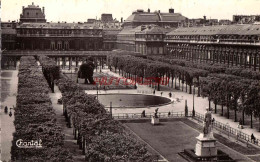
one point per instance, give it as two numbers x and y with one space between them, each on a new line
50 70
99 136
35 117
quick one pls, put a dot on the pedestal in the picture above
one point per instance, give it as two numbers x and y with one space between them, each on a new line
206 145
155 121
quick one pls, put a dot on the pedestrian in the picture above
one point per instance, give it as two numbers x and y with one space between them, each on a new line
169 114
213 120
143 114
170 94
6 109
154 91
161 93
252 138
10 114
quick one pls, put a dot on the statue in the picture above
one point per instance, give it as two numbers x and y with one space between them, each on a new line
156 112
86 71
207 123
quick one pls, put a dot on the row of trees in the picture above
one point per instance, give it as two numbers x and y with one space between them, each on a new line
99 136
211 67
234 92
35 118
235 88
155 71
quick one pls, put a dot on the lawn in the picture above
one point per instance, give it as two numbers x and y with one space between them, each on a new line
170 138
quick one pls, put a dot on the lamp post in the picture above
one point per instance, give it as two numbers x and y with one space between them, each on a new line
193 110
111 109
97 92
228 128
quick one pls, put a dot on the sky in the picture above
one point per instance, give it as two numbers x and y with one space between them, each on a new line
81 10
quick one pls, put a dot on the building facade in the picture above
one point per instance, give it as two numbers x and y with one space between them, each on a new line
8 35
150 40
234 45
59 36
32 13
140 17
246 19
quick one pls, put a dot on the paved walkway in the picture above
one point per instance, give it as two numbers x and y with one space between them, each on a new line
69 141
200 104
9 81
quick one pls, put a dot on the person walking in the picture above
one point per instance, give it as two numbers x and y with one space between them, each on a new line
143 114
170 94
154 91
6 109
252 138
161 93
10 113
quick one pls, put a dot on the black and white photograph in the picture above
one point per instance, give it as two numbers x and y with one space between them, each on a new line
130 81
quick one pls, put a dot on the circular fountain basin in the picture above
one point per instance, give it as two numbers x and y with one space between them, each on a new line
132 100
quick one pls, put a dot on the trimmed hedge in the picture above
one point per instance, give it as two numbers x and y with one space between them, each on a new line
35 117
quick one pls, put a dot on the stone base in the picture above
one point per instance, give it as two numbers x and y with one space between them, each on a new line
155 121
206 145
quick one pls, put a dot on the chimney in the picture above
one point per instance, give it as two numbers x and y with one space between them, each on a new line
159 11
43 10
23 10
121 19
148 10
171 10
32 3
205 18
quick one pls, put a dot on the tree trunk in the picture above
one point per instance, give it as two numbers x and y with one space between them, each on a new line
243 117
175 82
158 87
83 146
251 122
222 109
172 81
209 105
215 107
235 111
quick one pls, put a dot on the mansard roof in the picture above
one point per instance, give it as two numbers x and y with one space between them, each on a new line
238 29
155 17
58 25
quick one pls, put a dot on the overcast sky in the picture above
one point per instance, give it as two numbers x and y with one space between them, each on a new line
81 10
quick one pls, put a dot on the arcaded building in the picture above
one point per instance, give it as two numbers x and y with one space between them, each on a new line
34 33
234 45
59 36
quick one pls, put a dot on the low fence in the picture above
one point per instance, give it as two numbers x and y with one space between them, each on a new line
149 115
224 128
228 130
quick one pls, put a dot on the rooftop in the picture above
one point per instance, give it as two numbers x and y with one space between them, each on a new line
141 16
60 25
248 29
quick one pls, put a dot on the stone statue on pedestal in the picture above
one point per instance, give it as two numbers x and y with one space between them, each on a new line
155 117
156 112
207 123
206 143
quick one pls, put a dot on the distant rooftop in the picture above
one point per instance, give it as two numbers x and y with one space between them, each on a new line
60 25
248 29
